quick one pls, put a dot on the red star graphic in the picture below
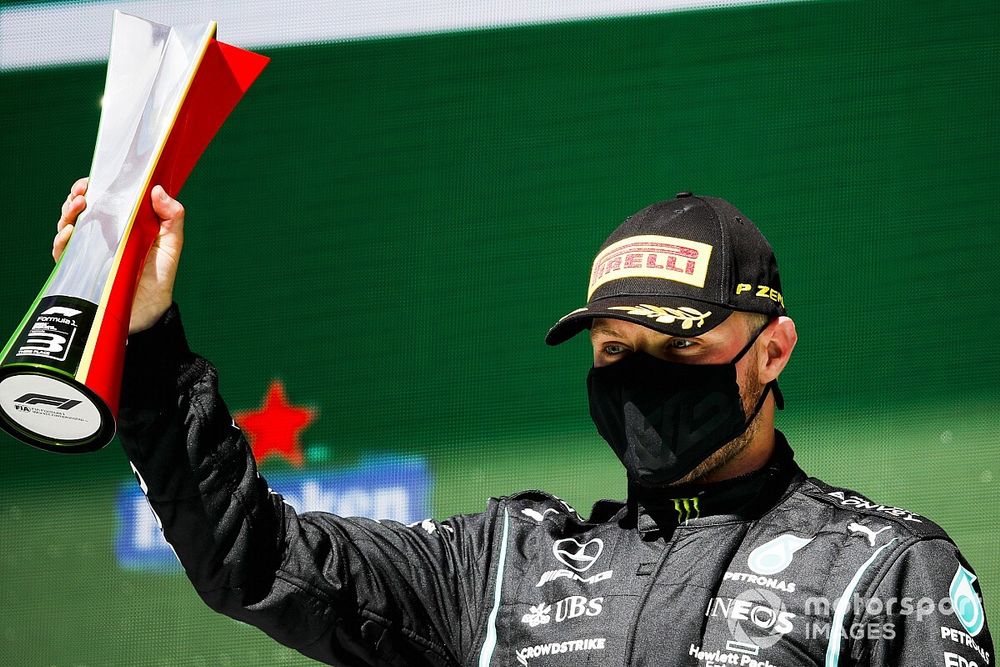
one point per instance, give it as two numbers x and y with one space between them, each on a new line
274 428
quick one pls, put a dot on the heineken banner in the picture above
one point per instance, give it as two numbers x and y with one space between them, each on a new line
380 236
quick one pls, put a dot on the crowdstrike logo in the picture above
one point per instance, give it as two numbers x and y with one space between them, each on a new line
576 556
554 648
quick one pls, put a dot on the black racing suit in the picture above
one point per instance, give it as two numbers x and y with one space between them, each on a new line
771 569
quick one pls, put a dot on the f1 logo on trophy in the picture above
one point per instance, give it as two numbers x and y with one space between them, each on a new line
168 91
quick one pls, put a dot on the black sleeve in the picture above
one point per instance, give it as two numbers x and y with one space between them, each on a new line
347 591
926 610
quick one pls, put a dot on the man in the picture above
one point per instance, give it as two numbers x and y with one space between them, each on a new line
724 552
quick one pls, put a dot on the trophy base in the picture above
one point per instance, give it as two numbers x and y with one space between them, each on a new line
50 411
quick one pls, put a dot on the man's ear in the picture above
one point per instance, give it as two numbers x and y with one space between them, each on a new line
779 339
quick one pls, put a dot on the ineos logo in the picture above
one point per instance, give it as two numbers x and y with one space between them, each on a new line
579 557
756 616
52 401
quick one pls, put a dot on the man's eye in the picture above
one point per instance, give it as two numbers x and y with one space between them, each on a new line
613 349
680 343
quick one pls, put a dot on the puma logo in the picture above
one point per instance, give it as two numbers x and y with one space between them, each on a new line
536 515
868 532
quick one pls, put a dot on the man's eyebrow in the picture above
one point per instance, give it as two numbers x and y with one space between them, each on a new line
608 330
605 329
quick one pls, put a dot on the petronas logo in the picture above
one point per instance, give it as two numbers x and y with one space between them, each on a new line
774 556
966 603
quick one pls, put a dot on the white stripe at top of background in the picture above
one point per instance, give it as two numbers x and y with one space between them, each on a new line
65 33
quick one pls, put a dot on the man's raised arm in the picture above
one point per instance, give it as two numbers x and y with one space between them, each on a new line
348 591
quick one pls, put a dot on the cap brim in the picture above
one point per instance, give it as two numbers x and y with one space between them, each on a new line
673 316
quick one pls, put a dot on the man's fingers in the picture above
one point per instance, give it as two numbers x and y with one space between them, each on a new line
71 209
80 187
74 203
60 241
166 207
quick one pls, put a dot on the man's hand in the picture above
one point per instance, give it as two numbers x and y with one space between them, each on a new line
154 293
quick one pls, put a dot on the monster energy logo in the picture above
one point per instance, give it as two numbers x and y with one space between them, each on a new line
687 509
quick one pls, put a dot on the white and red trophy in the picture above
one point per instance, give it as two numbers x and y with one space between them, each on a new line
168 91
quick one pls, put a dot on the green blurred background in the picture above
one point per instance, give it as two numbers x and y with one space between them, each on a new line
389 226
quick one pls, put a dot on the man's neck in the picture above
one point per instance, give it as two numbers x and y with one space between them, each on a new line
752 456
742 495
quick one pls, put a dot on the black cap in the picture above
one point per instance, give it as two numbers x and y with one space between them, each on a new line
681 267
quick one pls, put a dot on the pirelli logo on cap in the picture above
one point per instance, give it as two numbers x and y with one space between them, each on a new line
663 257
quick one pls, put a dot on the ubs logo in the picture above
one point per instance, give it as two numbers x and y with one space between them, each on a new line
573 606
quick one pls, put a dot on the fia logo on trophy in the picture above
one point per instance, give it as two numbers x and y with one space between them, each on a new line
168 91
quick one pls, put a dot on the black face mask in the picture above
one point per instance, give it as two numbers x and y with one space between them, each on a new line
661 418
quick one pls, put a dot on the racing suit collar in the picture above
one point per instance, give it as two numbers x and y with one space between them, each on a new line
739 498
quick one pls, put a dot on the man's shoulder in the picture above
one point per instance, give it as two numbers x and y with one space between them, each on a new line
855 510
537 506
